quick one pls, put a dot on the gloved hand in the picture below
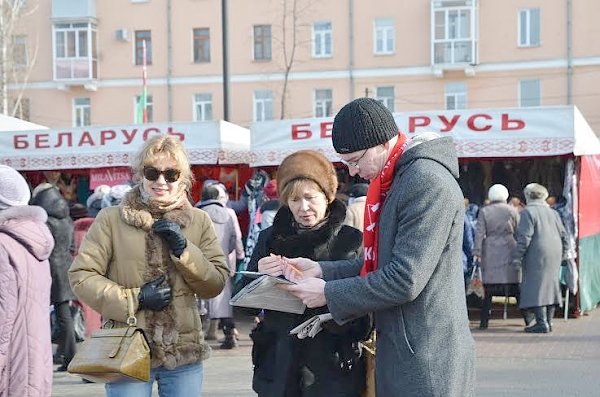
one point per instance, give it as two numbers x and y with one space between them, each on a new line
153 296
171 232
311 327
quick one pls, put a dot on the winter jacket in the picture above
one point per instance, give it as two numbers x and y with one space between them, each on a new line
25 347
495 243
219 307
118 253
61 227
424 345
541 246
285 366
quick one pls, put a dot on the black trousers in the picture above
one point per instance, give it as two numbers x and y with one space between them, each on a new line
66 337
496 290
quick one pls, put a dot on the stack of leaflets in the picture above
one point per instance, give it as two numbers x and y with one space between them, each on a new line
263 293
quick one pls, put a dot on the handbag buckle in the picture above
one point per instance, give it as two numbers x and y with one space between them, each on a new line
131 321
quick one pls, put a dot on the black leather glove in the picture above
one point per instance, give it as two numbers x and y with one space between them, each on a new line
153 296
171 232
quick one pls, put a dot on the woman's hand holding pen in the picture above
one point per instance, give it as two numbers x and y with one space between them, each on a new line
296 269
272 265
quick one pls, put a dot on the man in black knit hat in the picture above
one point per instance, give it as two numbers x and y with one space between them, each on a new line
410 276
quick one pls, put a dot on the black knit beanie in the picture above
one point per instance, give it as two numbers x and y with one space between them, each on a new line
362 124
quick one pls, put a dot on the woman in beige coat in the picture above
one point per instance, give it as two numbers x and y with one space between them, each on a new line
166 252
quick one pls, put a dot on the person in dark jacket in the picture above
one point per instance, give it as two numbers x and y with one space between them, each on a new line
60 224
410 275
309 224
541 245
494 246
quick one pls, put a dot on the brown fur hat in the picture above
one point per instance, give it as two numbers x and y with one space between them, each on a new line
308 164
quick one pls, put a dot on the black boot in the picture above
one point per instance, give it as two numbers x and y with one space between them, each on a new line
541 326
549 316
229 342
484 315
527 316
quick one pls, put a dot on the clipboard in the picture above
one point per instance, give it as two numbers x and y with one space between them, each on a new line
276 279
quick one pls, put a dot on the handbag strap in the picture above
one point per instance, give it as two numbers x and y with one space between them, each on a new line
131 323
131 319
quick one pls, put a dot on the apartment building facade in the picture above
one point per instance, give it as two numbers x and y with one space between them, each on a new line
302 58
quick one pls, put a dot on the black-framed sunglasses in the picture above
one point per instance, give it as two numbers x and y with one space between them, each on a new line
152 174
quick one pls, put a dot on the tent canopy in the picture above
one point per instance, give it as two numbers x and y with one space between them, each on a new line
478 133
211 142
8 123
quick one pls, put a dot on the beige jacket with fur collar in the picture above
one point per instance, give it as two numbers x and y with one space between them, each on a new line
114 256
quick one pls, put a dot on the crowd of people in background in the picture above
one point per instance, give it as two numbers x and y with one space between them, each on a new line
519 250
88 255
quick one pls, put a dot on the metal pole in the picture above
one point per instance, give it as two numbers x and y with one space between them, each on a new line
169 62
569 53
225 60
351 46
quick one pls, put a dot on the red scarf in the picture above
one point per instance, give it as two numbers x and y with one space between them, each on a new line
378 190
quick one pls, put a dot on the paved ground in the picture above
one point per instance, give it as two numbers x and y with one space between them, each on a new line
509 363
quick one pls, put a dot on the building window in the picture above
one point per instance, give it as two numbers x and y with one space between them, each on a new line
529 93
262 42
149 108
75 51
20 55
322 39
81 112
140 37
203 107
384 40
454 34
201 45
385 95
456 96
263 105
529 27
323 103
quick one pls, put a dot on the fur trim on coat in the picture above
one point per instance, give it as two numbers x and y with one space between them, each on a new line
161 329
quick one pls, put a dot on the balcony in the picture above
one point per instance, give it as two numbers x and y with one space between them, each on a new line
454 34
75 53
69 10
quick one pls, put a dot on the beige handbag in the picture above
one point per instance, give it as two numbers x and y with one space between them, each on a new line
114 354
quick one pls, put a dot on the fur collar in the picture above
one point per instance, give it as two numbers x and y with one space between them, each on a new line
135 212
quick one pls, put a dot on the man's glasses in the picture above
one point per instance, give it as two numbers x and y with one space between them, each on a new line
354 164
152 174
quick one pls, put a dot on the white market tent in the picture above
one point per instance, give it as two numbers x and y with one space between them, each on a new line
482 134
208 143
8 123
478 133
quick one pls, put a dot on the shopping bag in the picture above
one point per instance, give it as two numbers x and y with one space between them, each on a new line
369 350
475 283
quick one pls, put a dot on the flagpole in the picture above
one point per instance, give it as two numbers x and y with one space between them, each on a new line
144 87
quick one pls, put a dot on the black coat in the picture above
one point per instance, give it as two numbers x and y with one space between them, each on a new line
61 227
329 364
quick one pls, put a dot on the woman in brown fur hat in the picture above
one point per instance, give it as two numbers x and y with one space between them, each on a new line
164 251
309 224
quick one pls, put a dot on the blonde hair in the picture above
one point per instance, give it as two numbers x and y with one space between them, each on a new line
294 189
169 146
